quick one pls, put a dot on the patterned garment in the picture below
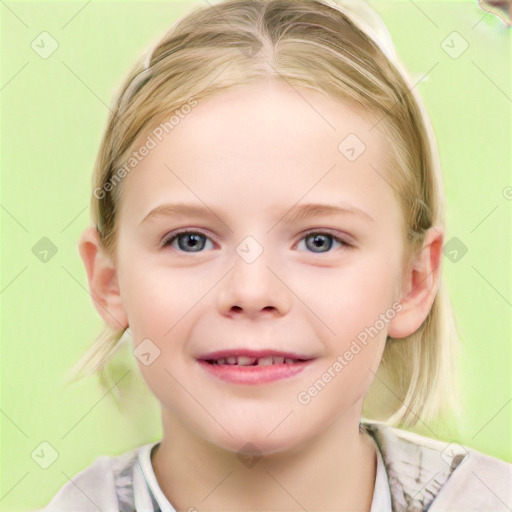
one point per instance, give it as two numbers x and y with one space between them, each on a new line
129 476
137 473
414 474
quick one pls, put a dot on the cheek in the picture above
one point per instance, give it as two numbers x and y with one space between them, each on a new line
157 297
349 297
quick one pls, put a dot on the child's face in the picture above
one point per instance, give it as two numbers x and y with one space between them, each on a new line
245 159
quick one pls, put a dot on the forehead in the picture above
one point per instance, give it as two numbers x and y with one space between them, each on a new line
273 141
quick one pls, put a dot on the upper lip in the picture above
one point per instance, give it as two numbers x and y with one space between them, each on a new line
258 354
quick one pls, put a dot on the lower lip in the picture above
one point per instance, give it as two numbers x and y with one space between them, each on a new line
254 374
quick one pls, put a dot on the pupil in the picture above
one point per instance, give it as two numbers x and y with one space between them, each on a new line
319 240
193 240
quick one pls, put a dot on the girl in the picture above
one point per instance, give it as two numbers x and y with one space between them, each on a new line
267 232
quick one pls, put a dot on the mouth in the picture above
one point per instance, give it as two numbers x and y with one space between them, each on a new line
253 367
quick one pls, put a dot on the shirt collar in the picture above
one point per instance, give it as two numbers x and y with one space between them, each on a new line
408 478
381 501
415 472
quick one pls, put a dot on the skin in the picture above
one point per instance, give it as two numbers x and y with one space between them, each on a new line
249 154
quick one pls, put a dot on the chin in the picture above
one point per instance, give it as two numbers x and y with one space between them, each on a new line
249 440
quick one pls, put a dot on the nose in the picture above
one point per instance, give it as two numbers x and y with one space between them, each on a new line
252 289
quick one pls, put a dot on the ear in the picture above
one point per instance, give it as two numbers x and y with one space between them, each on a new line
102 277
420 286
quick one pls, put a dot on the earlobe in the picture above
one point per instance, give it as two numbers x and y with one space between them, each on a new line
421 286
102 279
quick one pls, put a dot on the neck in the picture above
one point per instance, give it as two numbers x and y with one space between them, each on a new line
334 471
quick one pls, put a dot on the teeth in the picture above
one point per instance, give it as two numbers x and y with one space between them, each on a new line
253 361
245 361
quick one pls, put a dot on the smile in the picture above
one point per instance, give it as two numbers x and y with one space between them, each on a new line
253 367
254 361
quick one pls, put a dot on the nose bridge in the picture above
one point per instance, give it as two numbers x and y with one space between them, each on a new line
252 286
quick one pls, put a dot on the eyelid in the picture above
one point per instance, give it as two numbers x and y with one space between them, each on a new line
344 239
180 231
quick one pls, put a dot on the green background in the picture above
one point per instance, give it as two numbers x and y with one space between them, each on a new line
53 112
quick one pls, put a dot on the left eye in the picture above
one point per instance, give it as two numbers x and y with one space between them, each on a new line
322 241
187 240
197 241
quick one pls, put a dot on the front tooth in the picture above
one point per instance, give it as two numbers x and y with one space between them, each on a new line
245 361
278 359
288 360
221 361
231 360
265 361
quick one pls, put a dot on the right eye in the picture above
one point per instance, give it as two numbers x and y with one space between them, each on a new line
186 240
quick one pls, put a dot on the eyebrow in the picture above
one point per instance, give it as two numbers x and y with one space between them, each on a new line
295 213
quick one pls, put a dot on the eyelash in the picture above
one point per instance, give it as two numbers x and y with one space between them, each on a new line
168 239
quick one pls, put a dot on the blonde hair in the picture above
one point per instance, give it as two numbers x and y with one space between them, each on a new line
341 50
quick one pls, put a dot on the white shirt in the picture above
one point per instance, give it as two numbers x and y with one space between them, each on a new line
145 479
413 473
